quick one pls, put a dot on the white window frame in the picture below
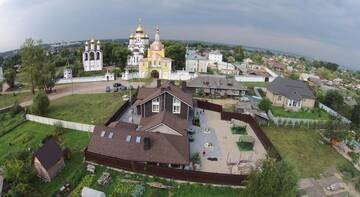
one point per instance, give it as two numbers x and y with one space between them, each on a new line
155 104
176 106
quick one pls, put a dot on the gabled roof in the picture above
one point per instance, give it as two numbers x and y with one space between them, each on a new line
164 148
49 154
167 118
292 89
148 94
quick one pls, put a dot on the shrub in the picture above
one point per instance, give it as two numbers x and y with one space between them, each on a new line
123 190
265 104
238 130
138 191
40 103
58 129
195 158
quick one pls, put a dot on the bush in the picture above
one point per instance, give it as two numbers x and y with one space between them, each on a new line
195 158
138 191
40 103
58 129
265 104
238 130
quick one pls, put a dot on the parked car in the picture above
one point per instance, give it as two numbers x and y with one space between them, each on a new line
108 89
125 98
116 89
116 85
122 87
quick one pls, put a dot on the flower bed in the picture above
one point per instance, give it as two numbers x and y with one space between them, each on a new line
238 130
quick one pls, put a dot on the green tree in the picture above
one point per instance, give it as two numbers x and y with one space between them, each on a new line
277 179
239 53
40 103
265 104
355 117
176 51
120 54
33 58
334 99
294 76
9 76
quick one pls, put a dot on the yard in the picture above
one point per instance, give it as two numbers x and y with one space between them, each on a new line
86 108
316 113
10 99
127 183
304 149
28 136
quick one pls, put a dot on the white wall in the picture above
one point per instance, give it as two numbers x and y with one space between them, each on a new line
84 79
65 124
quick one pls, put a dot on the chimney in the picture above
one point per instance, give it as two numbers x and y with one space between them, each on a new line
158 83
147 144
183 85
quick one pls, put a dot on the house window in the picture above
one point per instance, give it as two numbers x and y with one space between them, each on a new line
279 98
155 104
176 106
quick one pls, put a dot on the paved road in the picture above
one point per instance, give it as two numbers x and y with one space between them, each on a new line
86 88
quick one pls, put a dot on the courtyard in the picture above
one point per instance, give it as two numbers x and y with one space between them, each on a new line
217 146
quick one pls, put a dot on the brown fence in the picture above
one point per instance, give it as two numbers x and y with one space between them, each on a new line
245 118
172 173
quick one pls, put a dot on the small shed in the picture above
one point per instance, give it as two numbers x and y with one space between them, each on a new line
48 160
88 192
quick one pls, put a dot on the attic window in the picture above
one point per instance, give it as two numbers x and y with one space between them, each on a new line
102 133
111 135
128 138
176 105
138 139
155 104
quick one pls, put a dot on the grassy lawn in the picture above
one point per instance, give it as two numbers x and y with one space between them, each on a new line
29 135
313 114
9 121
86 108
304 149
10 99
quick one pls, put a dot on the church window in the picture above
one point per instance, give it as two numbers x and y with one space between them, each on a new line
98 55
155 104
92 56
86 56
176 105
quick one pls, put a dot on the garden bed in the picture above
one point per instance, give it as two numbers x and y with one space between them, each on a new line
316 113
238 130
246 143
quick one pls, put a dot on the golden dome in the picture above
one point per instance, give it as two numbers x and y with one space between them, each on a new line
139 29
131 36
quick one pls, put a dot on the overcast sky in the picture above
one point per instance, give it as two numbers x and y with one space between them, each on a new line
322 29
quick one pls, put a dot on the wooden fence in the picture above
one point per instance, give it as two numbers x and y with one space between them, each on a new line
172 173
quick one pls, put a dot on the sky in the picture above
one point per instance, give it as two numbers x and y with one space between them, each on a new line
322 29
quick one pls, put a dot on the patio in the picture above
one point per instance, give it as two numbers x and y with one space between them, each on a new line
228 157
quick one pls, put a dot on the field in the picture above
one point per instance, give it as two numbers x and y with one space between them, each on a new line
10 99
86 108
316 113
28 136
304 149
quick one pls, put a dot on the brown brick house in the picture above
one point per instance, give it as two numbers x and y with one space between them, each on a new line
290 94
48 160
159 138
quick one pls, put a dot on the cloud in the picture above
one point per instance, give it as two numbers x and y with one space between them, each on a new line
318 28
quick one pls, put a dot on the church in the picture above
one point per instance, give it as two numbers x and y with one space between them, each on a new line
92 56
156 65
138 43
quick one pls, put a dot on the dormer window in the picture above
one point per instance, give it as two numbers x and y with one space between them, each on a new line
155 104
176 106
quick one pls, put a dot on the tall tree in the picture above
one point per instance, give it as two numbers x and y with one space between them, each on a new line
355 117
40 103
32 58
239 53
176 51
9 76
277 179
120 54
334 99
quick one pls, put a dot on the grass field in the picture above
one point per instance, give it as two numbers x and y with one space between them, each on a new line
86 108
28 136
10 99
9 121
317 113
304 149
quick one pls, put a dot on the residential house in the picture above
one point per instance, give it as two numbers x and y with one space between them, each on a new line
290 94
196 62
48 160
158 138
216 85
215 56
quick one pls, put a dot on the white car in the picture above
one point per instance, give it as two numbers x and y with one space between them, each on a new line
125 98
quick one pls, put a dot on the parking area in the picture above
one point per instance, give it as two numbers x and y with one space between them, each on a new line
223 147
